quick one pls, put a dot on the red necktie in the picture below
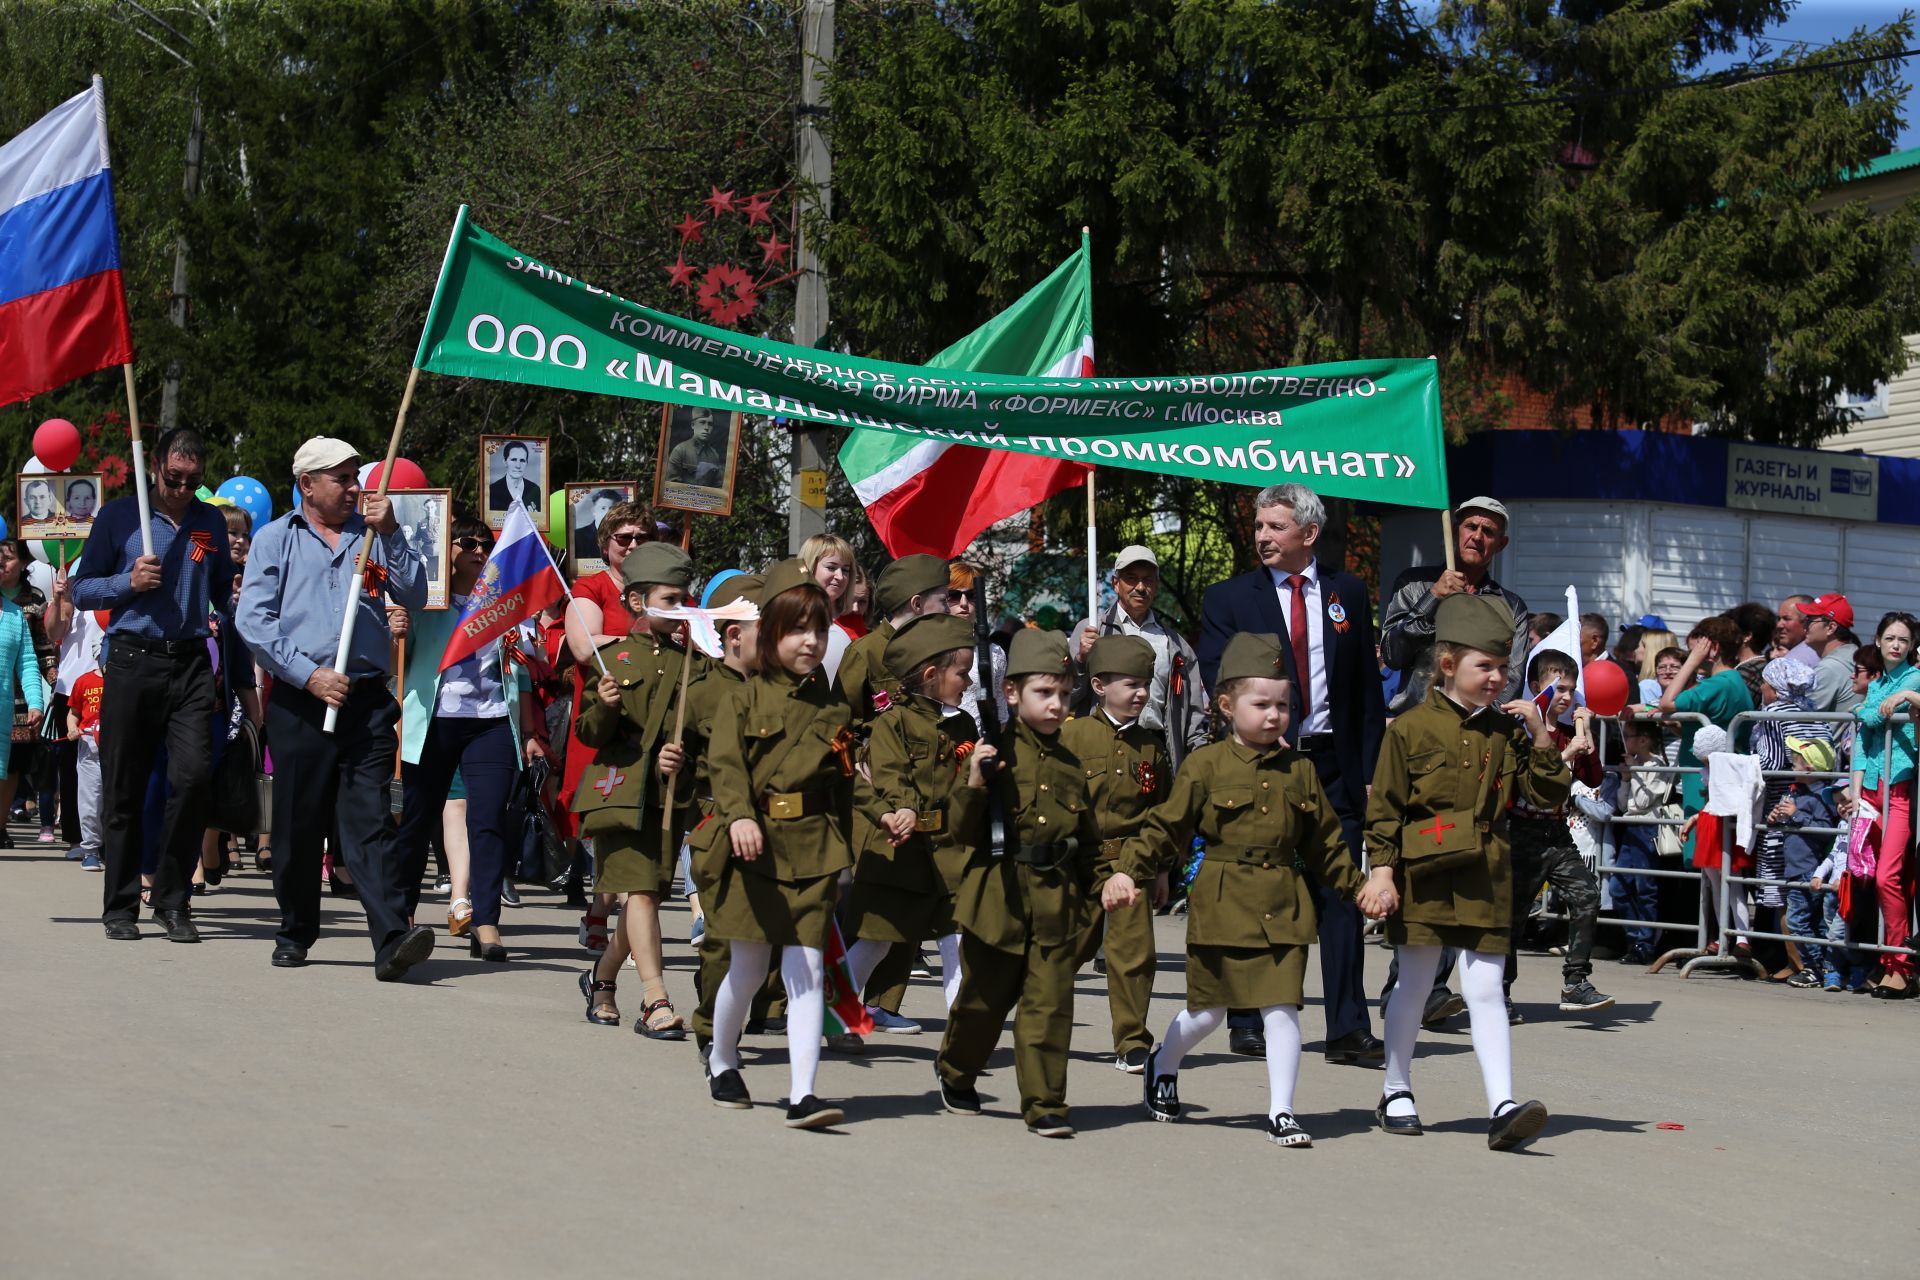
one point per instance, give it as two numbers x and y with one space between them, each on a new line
1297 633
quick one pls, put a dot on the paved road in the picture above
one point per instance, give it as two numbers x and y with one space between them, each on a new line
190 1111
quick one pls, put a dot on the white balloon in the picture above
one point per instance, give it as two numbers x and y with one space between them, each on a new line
33 467
40 574
38 550
366 469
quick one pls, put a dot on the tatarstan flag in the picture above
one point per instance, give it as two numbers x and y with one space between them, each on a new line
932 497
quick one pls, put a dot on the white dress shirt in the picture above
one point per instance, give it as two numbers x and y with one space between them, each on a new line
1318 720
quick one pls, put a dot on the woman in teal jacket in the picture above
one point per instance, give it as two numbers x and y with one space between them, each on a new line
19 669
1890 791
467 719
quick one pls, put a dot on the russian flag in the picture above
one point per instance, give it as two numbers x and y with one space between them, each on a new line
519 581
63 311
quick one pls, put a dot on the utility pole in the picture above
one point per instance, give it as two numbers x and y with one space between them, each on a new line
807 505
178 300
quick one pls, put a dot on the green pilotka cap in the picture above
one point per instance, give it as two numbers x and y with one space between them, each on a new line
785 576
1478 622
1252 655
1121 656
923 640
657 563
740 586
907 577
1038 653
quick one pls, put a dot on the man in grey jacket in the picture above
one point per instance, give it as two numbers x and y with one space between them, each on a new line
1406 626
1177 701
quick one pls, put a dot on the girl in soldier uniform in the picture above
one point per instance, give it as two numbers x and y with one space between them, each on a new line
1437 842
780 760
1270 834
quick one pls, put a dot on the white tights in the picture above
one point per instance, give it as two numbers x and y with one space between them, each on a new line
1481 982
800 969
864 956
1739 919
1282 1028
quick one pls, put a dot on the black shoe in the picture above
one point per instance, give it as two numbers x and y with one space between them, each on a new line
415 945
1357 1049
1511 1130
775 1026
729 1090
178 924
1885 992
288 956
509 896
1133 1061
921 968
1050 1127
702 1045
1442 1003
811 1113
1582 998
1286 1131
1642 956
491 952
1408 1126
1248 1042
1513 1015
341 888
122 930
959 1100
846 1043
1162 1092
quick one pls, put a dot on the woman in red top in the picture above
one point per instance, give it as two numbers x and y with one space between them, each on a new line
597 616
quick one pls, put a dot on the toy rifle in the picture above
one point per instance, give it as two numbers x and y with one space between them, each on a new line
990 704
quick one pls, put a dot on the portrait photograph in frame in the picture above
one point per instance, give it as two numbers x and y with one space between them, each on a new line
699 449
587 505
514 468
425 517
56 506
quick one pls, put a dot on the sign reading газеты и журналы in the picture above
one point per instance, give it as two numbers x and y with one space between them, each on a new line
1837 485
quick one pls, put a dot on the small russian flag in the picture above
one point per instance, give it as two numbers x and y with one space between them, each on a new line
519 581
63 310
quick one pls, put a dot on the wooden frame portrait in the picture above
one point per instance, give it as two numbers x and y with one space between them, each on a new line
586 505
425 517
499 476
55 506
696 470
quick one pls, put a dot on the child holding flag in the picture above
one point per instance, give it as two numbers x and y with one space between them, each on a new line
781 762
628 725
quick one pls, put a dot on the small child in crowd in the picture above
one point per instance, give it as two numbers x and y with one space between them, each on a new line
1808 803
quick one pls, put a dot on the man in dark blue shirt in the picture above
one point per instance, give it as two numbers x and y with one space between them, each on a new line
159 686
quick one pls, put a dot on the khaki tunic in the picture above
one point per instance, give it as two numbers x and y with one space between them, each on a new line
864 681
1271 834
780 755
621 793
916 759
1438 817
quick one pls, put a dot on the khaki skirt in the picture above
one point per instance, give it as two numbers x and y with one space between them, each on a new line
626 861
746 907
888 913
1245 977
1467 937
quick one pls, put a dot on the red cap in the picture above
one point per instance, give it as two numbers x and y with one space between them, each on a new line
1833 606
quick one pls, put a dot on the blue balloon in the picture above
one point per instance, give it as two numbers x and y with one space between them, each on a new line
713 583
251 497
6 530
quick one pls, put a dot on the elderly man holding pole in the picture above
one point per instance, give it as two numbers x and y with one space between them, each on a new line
160 568
291 614
1177 698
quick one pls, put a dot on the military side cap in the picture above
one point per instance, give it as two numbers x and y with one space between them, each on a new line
1121 656
1038 653
1478 622
659 563
741 586
907 577
924 639
1252 655
785 576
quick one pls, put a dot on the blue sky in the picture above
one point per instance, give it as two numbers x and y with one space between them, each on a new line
1819 22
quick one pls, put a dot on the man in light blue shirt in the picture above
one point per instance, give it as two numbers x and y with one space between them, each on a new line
293 599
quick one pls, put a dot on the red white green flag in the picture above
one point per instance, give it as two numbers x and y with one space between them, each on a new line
846 1012
933 497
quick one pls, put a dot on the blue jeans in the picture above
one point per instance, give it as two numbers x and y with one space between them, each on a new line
1807 914
1637 897
1853 966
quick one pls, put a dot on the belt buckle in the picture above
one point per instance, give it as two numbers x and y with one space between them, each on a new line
787 804
929 822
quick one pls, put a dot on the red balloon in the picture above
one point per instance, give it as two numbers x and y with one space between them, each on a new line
1606 687
57 444
406 475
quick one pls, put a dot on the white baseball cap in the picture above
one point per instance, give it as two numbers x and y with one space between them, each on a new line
1491 506
1134 554
322 453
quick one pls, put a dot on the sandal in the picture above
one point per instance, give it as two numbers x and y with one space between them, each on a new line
643 1025
593 932
459 917
598 1010
263 861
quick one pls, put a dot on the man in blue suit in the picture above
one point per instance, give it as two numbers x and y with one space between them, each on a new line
1324 619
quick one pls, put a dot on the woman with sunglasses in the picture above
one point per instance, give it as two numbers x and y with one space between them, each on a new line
468 718
597 615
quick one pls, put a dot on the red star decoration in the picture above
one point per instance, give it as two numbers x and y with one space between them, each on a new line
720 201
680 273
727 294
773 250
756 210
689 230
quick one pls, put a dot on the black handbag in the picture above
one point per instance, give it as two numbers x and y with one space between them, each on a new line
235 790
543 855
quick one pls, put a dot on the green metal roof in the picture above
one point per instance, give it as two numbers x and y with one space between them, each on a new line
1891 163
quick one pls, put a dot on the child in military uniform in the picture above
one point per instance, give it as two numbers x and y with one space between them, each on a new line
1127 774
1271 835
1024 902
780 758
628 724
1437 841
911 862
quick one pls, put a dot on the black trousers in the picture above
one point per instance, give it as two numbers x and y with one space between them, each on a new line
153 700
323 781
482 752
1342 928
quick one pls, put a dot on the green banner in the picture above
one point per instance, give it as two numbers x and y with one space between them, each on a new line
1367 429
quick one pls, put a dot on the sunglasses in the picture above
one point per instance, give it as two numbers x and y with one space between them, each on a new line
175 480
469 544
625 539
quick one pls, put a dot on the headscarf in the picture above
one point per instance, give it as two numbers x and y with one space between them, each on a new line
1791 681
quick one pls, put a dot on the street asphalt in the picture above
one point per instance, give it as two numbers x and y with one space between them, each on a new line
190 1111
